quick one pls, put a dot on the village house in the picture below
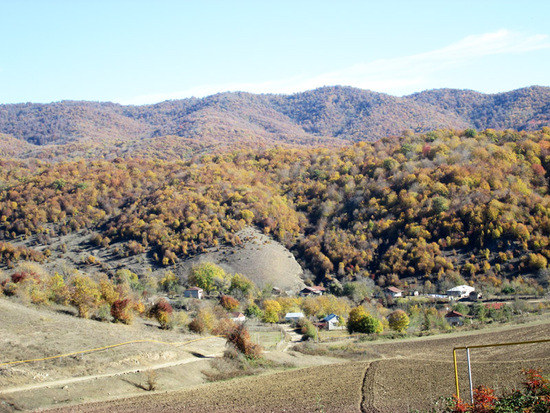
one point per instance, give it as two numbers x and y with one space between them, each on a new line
332 322
237 317
194 292
460 291
454 318
394 292
315 290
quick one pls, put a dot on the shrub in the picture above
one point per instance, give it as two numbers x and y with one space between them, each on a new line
307 328
151 380
229 303
203 321
161 311
361 322
121 310
240 338
398 320
253 311
59 292
223 327
9 288
177 319
534 398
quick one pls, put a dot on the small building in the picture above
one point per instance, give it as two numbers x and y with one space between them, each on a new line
454 318
315 290
194 292
332 322
460 291
294 317
237 317
394 292
474 296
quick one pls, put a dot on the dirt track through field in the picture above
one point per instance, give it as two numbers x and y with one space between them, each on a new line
72 380
367 391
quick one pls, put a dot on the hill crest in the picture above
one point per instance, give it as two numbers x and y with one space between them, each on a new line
331 115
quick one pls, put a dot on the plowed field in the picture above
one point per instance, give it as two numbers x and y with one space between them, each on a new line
401 375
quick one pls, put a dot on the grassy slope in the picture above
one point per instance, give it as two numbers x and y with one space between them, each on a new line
31 332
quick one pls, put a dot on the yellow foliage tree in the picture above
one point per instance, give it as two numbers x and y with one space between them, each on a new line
85 295
271 311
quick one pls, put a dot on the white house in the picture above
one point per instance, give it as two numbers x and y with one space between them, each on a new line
194 292
238 317
460 291
294 316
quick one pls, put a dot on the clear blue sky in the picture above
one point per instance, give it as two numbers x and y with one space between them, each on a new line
137 52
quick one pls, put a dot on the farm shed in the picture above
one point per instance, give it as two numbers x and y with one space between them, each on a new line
315 290
194 292
460 291
294 316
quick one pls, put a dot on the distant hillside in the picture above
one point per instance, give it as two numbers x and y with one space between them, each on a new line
329 114
446 207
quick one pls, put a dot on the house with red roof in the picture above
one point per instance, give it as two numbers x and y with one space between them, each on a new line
454 318
194 292
394 292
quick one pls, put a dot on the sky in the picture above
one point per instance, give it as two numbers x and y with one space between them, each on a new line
141 52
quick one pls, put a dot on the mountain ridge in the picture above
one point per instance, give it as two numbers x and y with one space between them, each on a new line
338 113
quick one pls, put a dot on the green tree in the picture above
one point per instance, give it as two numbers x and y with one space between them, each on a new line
208 276
362 322
241 283
253 311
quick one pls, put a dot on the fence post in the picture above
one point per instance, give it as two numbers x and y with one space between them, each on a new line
470 375
456 375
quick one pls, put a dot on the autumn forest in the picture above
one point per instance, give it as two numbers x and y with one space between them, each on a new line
429 209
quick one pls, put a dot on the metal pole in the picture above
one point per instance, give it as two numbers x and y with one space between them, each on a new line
470 376
456 376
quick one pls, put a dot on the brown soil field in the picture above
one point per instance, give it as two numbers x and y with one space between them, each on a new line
395 376
322 388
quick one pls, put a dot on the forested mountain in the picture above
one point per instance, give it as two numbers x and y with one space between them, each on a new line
445 206
329 114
